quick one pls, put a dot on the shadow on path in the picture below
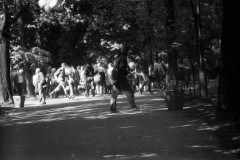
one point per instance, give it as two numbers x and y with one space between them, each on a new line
86 130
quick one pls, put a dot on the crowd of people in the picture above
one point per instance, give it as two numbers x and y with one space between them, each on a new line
113 78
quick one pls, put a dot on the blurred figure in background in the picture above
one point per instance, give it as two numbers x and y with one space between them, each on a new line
19 81
41 85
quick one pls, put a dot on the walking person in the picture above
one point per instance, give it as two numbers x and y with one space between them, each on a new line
40 83
108 78
120 81
19 81
99 78
89 83
143 67
160 73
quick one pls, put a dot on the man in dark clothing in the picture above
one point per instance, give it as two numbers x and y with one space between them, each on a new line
120 81
89 83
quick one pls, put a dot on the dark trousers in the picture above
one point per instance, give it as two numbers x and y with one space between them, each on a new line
89 85
122 85
20 89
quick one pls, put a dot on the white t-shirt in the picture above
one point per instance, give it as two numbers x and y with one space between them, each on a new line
20 78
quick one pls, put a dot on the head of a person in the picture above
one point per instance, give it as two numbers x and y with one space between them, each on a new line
37 70
63 65
124 49
53 70
89 63
110 65
20 71
143 54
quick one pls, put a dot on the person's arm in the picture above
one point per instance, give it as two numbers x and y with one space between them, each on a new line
57 73
41 77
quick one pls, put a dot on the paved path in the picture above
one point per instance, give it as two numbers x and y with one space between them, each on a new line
83 129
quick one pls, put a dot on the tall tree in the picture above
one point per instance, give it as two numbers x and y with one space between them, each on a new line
201 63
21 33
5 85
229 86
171 36
6 21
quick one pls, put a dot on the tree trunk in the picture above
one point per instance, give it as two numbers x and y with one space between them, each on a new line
170 32
5 80
21 32
229 86
202 72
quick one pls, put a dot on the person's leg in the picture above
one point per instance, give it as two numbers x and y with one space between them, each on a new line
101 89
131 100
126 87
87 87
113 100
71 87
149 85
142 86
97 88
56 90
92 87
163 82
44 94
40 93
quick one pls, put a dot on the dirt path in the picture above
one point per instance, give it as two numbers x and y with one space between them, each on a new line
84 129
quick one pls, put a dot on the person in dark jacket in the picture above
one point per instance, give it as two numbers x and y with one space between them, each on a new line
89 83
120 81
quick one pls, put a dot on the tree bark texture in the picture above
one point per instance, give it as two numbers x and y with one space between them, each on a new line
21 32
202 72
229 82
5 81
170 37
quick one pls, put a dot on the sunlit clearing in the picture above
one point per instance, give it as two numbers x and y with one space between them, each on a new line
97 117
187 125
236 138
140 155
127 127
235 150
148 155
202 146
111 156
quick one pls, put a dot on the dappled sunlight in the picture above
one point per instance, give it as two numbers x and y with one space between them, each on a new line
125 127
182 126
88 109
136 156
151 133
203 146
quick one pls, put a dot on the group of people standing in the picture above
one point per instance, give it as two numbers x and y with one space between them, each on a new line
118 76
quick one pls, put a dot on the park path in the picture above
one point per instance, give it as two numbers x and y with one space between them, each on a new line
84 129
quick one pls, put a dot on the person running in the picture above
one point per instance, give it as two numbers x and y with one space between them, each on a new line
60 76
120 82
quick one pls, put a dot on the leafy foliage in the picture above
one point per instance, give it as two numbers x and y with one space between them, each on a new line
81 30
33 58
